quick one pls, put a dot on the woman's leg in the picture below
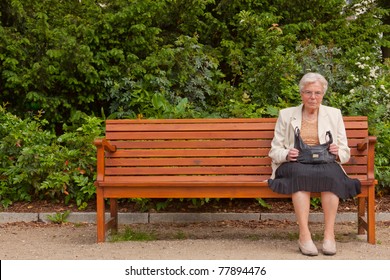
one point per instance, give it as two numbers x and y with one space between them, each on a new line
330 204
301 202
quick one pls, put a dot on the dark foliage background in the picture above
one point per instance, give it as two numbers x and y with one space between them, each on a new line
65 66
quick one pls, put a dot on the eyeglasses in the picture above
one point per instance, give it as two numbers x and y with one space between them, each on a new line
310 93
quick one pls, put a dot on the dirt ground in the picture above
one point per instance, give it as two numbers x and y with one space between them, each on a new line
229 240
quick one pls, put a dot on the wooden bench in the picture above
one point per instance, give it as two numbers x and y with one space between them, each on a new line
208 158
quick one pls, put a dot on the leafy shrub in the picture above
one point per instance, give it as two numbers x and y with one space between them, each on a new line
23 143
178 81
74 161
35 164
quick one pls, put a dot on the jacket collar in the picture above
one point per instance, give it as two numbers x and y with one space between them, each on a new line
296 117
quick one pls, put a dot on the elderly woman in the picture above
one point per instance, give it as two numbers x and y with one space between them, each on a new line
292 177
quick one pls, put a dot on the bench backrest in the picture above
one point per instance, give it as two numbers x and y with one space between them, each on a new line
217 147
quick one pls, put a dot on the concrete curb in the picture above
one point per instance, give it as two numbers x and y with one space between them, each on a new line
132 218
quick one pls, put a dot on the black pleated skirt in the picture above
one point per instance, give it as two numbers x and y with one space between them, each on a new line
291 177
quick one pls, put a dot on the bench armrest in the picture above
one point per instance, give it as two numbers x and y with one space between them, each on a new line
102 146
369 145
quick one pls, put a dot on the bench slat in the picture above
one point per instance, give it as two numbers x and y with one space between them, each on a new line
130 127
347 119
204 170
183 144
196 161
190 135
357 160
356 134
203 121
192 153
352 124
177 180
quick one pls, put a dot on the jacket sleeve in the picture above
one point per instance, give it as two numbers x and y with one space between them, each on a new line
279 151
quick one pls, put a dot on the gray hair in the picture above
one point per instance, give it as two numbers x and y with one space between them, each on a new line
310 78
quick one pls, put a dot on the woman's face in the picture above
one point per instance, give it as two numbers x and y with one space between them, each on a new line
312 95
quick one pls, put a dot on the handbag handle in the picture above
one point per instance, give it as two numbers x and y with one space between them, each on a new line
327 136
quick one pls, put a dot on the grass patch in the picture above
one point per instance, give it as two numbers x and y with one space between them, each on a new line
254 237
180 235
80 224
59 218
132 235
293 236
317 237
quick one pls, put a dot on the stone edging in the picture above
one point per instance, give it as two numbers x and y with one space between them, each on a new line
131 218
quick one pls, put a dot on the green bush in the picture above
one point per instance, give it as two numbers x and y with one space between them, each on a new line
36 164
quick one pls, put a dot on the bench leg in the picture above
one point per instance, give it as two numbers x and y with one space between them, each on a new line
114 213
371 215
100 218
361 215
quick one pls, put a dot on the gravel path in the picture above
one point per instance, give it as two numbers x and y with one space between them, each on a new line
239 240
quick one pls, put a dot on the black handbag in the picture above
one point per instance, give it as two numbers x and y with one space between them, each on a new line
313 154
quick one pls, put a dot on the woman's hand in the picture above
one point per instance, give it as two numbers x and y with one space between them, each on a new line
334 149
292 154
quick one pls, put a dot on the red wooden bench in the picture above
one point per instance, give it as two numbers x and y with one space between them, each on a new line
208 158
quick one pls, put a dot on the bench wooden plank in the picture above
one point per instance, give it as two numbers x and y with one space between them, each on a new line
190 153
153 135
201 191
201 170
180 144
193 161
129 127
209 158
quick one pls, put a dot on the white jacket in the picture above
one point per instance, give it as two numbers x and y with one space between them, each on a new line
329 118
